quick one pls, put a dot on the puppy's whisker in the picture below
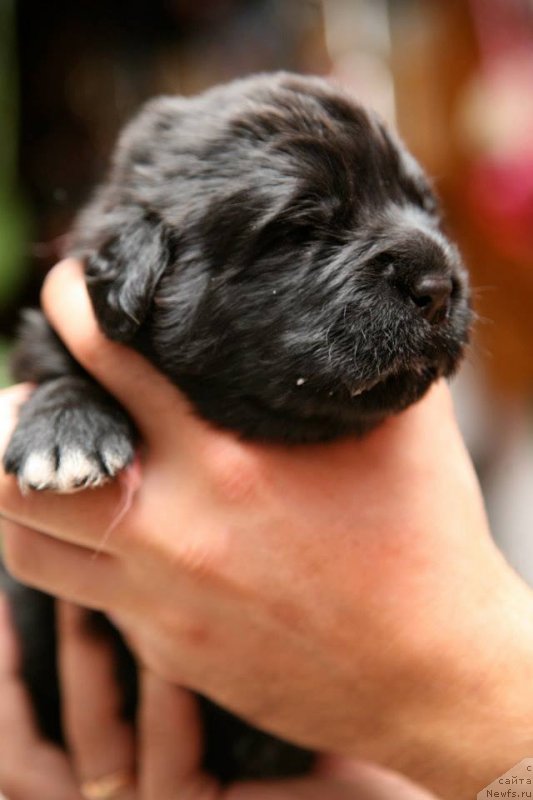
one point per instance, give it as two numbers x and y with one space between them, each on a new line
476 291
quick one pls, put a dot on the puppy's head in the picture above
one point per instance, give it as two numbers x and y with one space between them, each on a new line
271 238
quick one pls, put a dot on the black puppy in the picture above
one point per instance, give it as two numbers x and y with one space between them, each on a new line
277 254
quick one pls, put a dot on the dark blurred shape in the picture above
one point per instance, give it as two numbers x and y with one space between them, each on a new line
85 67
13 231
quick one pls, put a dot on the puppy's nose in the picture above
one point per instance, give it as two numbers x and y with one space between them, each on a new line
431 295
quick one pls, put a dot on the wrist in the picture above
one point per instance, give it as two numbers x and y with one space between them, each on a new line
473 717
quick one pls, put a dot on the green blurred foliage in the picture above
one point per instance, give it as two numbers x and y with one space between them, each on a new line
13 221
5 378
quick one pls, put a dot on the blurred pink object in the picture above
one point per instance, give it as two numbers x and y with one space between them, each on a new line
497 118
500 196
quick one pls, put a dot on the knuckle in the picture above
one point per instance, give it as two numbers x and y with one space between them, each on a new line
169 650
199 552
199 559
195 633
187 627
233 469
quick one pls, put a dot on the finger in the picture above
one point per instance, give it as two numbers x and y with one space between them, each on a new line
87 518
371 781
122 371
100 739
17 723
62 569
30 768
170 743
324 789
301 789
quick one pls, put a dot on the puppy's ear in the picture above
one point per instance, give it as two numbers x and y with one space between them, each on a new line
123 273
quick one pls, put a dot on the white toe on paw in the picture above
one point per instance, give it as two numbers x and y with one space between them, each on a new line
38 471
76 471
114 462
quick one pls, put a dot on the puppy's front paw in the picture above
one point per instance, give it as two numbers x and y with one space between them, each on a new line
66 457
64 449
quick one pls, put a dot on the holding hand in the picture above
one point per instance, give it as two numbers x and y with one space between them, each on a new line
110 761
347 596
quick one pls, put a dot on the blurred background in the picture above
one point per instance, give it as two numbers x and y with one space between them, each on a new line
454 76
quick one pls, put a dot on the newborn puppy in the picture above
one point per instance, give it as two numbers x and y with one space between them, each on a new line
277 253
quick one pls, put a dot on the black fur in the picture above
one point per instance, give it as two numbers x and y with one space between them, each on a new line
262 244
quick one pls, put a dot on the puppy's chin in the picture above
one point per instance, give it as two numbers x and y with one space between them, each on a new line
365 404
371 401
406 381
395 392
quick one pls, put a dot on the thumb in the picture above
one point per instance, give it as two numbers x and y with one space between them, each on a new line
138 386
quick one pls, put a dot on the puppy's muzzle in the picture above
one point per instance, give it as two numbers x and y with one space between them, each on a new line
423 273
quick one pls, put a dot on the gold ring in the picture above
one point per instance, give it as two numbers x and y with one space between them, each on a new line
108 786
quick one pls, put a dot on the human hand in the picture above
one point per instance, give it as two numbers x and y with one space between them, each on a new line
161 760
345 596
